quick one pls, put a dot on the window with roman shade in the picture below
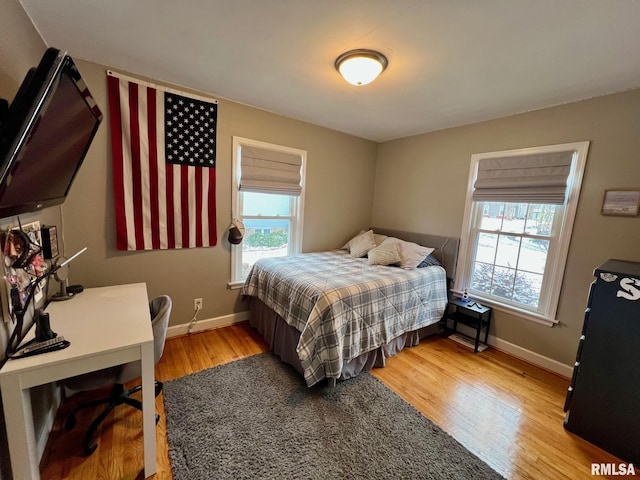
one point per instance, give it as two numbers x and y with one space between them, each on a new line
517 226
268 197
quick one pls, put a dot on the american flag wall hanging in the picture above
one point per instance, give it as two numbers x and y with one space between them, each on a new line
163 147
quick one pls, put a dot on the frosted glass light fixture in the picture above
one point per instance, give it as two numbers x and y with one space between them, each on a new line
360 67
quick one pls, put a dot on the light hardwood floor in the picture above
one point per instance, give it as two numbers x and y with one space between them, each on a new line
506 411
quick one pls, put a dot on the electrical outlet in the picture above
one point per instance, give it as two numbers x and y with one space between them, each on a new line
197 304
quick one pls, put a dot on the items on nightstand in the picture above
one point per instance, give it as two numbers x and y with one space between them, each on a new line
472 314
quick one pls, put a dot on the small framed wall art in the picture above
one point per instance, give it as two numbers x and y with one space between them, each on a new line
623 202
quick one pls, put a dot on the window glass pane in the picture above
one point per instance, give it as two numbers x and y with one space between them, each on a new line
502 282
481 277
264 238
533 255
527 289
514 217
486 251
265 204
492 213
508 251
540 219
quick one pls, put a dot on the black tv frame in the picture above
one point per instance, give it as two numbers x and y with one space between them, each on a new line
19 119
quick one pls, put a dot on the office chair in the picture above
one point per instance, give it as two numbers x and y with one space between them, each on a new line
117 376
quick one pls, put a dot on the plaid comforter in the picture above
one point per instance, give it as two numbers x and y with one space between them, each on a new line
343 306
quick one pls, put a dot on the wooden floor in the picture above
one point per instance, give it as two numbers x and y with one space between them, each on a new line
506 411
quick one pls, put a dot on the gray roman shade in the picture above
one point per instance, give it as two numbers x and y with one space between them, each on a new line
539 178
269 171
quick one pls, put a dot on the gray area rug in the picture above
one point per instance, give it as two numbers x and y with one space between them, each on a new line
255 418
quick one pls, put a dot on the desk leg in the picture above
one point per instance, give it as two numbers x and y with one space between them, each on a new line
20 432
148 409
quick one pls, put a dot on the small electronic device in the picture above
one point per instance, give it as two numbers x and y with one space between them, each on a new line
35 348
49 235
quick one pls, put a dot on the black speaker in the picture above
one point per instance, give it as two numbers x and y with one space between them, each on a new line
43 327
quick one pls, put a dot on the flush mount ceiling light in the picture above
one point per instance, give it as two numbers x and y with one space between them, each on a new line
360 67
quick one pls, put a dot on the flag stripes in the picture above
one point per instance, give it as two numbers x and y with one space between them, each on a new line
159 205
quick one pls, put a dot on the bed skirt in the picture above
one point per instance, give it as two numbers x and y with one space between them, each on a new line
283 339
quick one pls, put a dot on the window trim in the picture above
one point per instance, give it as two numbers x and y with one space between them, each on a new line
297 210
551 295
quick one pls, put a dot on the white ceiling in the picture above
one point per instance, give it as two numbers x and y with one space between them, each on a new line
451 62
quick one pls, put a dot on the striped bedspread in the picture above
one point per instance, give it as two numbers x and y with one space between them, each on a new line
343 306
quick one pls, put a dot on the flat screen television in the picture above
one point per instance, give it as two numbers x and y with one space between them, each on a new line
45 135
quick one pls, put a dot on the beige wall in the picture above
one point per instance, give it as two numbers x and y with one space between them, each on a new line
421 186
338 196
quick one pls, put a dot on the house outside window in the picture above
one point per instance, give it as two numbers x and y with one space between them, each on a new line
268 197
518 220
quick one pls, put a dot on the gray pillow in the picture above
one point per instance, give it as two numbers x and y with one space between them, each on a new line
430 261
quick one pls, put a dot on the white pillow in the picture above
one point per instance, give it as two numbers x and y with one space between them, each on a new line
379 238
346 245
411 254
360 245
384 254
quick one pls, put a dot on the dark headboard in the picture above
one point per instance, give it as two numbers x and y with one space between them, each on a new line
446 248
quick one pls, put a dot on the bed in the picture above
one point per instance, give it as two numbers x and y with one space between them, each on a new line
332 315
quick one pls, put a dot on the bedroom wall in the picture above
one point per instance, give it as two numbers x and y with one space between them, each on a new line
339 191
421 186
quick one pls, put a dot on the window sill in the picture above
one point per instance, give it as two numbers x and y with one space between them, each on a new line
511 310
235 285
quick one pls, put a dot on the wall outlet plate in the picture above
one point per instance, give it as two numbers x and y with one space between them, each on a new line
197 304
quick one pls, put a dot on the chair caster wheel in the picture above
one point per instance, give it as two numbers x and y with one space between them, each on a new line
90 448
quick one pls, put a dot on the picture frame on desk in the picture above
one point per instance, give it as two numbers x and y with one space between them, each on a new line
621 202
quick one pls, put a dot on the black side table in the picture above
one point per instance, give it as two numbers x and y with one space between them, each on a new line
473 315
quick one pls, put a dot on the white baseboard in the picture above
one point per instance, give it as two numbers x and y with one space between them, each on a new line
524 354
208 324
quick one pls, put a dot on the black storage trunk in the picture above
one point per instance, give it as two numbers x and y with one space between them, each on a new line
603 401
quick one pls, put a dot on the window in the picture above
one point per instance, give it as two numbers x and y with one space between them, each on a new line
268 197
517 226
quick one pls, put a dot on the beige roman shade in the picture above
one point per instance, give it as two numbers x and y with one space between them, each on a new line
269 171
539 178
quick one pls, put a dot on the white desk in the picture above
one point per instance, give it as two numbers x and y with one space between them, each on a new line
106 326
